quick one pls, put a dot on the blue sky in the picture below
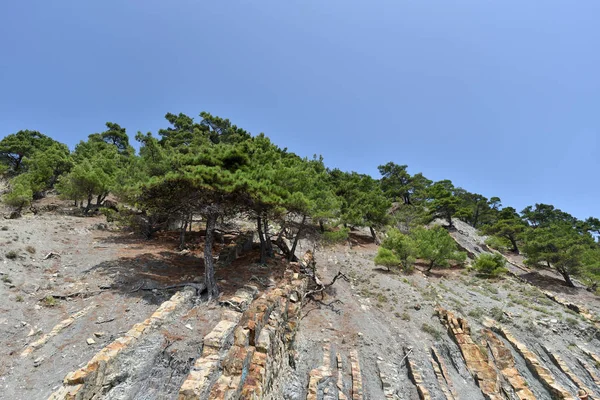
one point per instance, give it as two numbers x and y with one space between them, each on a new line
501 97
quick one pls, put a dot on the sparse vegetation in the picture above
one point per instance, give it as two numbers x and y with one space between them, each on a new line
11 255
6 279
30 249
336 236
49 301
497 314
476 313
432 331
490 265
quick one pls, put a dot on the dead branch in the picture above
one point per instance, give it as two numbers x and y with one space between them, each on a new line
321 304
51 255
321 287
199 287
76 294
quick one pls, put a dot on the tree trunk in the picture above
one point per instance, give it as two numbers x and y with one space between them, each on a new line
374 235
89 204
268 244
430 266
99 200
406 198
263 245
515 249
209 265
184 224
567 278
293 250
321 226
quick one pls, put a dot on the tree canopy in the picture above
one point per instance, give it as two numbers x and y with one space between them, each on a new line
210 167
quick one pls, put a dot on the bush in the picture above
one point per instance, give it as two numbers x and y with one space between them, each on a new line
490 265
432 331
397 250
436 246
334 237
11 255
498 243
20 194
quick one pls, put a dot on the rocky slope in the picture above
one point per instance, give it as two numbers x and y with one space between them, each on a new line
96 320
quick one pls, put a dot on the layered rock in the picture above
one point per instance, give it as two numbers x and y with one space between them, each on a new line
505 362
56 330
442 376
534 364
415 376
477 362
244 357
89 381
558 361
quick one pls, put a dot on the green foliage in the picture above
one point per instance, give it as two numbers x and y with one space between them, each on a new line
336 236
508 226
444 203
20 194
544 215
559 246
498 243
409 217
361 198
398 185
437 247
397 249
16 147
437 335
490 265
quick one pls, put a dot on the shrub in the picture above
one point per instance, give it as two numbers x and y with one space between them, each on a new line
334 237
490 265
498 243
30 249
50 301
497 313
432 331
476 313
20 195
436 246
11 255
397 250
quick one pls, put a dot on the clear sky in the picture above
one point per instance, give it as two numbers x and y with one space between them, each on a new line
501 97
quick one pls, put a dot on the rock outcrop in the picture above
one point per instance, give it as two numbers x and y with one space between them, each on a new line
477 362
245 354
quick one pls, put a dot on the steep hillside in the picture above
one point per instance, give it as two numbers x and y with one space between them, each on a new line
95 313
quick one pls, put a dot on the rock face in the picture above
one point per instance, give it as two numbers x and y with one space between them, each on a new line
477 362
